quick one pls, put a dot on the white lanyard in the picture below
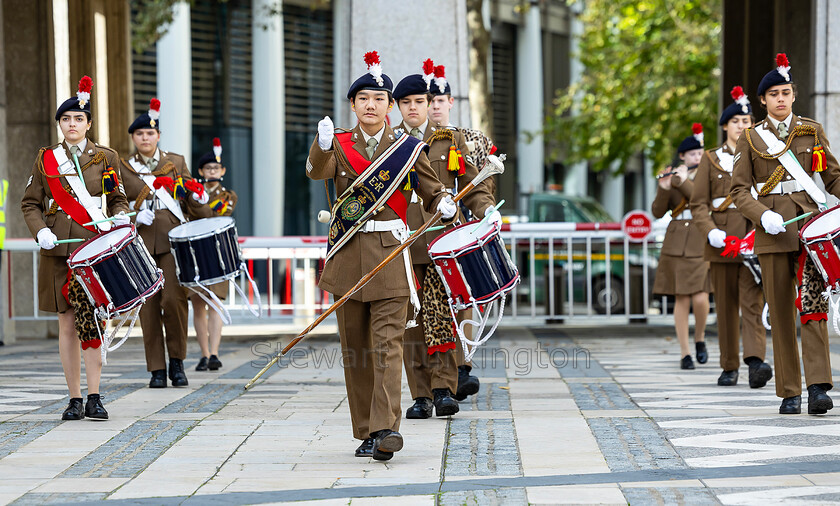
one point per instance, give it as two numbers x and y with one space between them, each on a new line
161 193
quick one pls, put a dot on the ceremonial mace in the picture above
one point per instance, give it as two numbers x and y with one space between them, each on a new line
492 166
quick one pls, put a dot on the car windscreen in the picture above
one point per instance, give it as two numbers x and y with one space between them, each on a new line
596 212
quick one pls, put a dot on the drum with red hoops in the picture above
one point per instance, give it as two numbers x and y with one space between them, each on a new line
474 264
821 237
116 270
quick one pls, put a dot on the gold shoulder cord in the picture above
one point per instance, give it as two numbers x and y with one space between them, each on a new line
97 158
797 131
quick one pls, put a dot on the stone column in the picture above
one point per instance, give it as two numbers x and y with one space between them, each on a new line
529 105
577 174
174 82
268 120
826 77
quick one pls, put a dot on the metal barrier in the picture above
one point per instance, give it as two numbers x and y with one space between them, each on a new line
584 271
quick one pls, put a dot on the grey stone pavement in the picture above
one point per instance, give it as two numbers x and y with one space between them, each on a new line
565 415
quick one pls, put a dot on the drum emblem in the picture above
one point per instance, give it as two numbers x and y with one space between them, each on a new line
351 210
384 175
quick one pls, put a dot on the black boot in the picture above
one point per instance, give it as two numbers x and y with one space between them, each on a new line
467 383
421 409
74 410
686 362
728 378
791 405
176 373
385 443
202 364
760 372
94 408
158 379
445 405
702 354
365 449
214 363
818 401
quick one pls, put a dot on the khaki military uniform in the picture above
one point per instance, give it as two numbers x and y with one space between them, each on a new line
168 308
426 372
372 322
39 211
782 255
733 283
682 269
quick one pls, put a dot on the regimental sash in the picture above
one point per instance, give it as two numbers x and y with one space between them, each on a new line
68 203
377 185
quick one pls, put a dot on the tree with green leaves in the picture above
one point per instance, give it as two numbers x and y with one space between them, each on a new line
651 69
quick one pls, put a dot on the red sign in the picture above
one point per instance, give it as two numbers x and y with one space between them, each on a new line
637 225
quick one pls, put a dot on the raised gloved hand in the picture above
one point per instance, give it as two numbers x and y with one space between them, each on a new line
773 223
201 199
717 238
492 215
46 239
326 132
447 207
145 217
121 219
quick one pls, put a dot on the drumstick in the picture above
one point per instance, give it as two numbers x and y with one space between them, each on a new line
477 225
112 218
430 229
65 241
800 217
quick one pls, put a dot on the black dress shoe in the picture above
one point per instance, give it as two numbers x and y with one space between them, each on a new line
366 448
760 374
214 363
94 408
686 362
202 364
467 383
177 374
702 354
74 410
421 409
158 379
791 405
818 401
445 405
728 378
385 443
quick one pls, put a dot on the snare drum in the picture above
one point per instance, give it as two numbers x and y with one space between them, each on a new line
474 264
821 237
116 270
206 251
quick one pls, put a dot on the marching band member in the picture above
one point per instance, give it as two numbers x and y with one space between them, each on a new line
785 189
735 287
64 193
430 347
159 186
682 271
208 324
374 170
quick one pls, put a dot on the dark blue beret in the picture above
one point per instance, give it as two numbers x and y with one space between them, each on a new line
72 104
206 158
688 144
734 109
367 82
447 90
771 79
411 85
143 121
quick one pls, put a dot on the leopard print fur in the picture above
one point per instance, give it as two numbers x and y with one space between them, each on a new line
811 288
437 319
83 315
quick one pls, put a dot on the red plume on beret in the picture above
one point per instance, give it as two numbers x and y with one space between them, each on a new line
154 111
217 149
85 85
737 92
374 67
782 60
440 77
697 128
440 71
371 58
428 66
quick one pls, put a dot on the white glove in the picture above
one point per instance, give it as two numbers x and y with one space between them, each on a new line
121 219
717 238
326 131
772 222
145 217
447 207
492 215
46 239
203 199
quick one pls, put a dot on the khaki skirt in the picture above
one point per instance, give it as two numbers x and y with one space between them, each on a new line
52 276
682 276
220 289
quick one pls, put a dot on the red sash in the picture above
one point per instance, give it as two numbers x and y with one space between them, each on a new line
359 163
65 201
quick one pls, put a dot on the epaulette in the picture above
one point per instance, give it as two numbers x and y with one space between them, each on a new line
106 148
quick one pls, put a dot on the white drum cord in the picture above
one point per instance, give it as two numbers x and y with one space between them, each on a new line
471 345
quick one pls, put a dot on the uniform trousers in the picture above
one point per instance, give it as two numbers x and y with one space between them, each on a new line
735 288
167 309
779 275
426 372
372 347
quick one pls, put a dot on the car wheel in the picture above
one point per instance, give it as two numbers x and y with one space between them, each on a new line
601 298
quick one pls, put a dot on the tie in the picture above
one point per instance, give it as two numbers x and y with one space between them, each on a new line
74 150
415 132
783 131
152 165
371 147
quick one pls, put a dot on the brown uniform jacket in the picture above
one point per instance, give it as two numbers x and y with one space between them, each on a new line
476 200
37 196
219 192
682 238
751 168
365 251
156 235
713 182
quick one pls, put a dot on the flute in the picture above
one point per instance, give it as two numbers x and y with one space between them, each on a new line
671 173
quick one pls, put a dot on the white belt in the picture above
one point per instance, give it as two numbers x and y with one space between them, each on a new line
718 201
783 188
158 205
685 215
382 226
95 202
